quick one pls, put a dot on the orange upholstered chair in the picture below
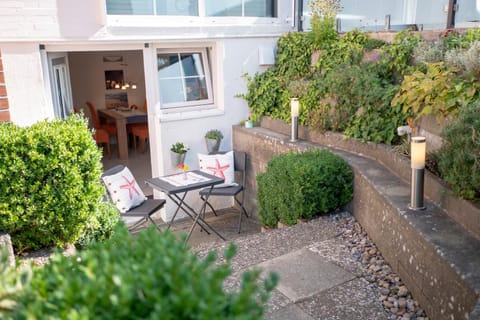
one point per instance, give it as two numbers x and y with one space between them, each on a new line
111 128
101 136
139 130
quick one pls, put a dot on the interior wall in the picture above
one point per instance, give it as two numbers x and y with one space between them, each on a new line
87 72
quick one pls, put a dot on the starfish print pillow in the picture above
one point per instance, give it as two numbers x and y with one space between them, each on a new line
220 165
124 190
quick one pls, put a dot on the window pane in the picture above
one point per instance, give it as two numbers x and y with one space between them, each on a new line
138 7
171 91
177 7
258 8
192 65
182 78
168 66
196 89
223 8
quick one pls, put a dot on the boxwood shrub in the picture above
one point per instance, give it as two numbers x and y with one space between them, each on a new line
150 276
302 185
459 157
50 188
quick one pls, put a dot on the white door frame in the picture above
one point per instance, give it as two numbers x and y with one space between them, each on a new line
60 84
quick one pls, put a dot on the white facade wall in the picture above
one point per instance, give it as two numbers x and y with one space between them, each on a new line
79 27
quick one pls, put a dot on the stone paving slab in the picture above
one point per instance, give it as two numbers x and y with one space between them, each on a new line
303 274
289 312
353 300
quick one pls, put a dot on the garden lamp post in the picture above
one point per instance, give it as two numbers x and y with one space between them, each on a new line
294 109
417 153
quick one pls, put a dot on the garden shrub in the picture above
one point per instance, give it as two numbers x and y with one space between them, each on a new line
50 187
459 156
101 225
439 91
294 50
302 185
150 276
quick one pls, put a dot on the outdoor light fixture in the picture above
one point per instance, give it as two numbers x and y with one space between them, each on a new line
294 110
417 154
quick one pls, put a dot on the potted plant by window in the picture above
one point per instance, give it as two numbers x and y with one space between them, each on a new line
212 139
177 153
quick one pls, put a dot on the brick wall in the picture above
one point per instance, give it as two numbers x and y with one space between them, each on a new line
4 112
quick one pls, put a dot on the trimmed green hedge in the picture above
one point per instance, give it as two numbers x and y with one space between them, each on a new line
302 185
50 189
150 276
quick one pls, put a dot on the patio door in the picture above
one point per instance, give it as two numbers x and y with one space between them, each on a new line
60 84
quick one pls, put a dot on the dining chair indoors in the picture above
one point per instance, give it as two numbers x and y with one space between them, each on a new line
240 161
139 130
129 199
100 135
111 128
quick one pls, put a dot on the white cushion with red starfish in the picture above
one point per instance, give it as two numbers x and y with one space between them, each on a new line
124 190
220 165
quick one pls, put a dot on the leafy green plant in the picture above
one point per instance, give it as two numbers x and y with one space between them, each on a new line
396 58
302 185
378 121
214 134
262 93
101 226
459 156
322 20
179 147
50 187
453 39
150 276
294 50
438 91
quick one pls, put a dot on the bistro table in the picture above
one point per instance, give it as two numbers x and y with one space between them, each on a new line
176 186
121 118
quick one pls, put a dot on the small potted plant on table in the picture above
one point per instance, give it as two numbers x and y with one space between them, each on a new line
177 153
212 139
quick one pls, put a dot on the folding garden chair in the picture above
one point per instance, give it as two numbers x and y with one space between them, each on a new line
239 163
127 196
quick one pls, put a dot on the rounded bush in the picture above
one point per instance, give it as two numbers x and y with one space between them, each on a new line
302 185
50 187
151 276
459 157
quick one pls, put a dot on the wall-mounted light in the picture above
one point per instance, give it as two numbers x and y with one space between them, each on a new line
418 147
294 111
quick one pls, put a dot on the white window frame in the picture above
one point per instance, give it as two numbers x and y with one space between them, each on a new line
202 10
206 69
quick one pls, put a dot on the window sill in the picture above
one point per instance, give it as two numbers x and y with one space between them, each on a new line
178 114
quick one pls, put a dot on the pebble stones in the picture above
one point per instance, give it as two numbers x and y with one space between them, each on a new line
393 293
